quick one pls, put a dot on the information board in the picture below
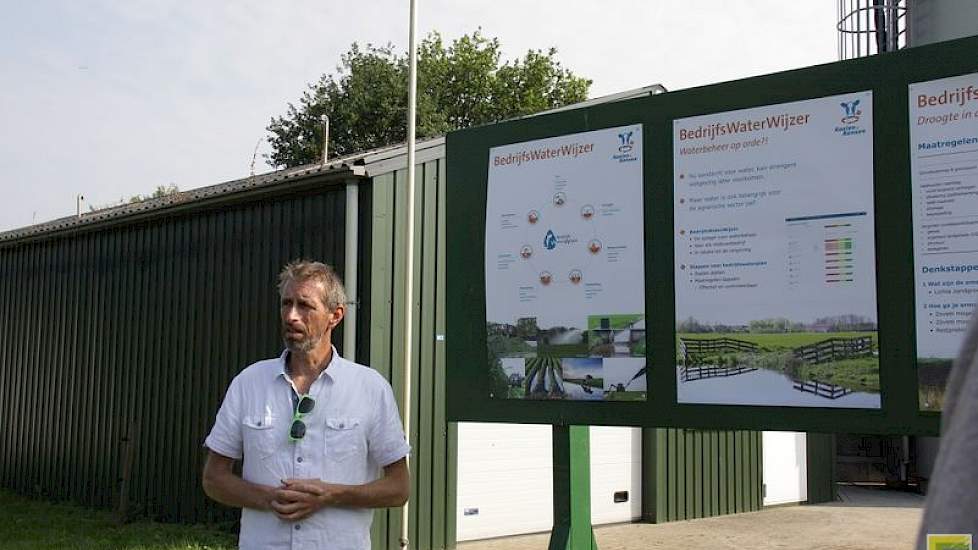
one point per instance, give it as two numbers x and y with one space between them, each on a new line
565 268
796 251
775 255
944 182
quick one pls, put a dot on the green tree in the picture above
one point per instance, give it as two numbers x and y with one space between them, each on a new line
459 85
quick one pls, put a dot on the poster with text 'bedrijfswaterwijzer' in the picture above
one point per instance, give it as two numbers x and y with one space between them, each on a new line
775 254
565 268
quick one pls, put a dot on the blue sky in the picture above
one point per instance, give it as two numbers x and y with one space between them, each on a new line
110 99
579 367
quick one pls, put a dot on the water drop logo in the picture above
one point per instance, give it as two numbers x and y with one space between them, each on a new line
550 241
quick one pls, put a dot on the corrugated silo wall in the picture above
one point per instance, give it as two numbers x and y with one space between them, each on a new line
134 332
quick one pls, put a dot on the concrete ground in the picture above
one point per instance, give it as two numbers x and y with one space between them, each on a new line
863 519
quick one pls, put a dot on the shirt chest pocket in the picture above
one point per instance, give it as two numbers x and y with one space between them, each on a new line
259 435
344 440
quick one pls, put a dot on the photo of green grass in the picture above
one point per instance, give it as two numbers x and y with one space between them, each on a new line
781 341
830 361
613 321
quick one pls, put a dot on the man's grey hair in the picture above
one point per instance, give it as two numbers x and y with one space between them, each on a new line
300 271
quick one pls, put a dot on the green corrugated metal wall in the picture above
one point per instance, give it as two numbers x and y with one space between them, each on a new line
699 473
820 453
432 440
134 332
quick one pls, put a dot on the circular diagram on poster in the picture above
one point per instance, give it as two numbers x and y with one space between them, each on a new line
562 238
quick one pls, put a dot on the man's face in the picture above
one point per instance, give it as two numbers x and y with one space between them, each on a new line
306 321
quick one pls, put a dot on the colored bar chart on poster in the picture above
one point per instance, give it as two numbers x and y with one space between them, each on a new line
775 255
944 182
565 264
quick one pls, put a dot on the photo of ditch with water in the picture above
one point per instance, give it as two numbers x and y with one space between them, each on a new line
792 369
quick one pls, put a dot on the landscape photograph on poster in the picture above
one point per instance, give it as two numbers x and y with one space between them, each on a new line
624 378
567 362
829 362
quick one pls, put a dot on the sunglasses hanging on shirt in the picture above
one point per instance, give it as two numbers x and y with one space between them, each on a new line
298 428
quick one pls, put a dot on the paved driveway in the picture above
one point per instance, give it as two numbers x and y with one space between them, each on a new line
864 519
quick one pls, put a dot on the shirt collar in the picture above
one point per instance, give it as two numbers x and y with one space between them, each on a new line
335 364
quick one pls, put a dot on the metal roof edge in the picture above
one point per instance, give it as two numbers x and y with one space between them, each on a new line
181 200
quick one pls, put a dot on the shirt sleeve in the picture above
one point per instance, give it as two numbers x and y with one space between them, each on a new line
385 440
226 437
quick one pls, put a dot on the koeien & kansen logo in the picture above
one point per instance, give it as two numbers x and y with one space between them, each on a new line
949 542
851 112
625 147
626 144
851 115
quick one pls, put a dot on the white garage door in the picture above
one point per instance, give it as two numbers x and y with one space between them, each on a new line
785 467
505 478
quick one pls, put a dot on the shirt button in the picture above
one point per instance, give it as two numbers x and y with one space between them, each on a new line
298 527
299 459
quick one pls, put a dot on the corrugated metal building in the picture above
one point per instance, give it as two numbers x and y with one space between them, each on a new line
121 329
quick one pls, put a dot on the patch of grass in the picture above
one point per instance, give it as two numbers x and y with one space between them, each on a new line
37 525
615 321
780 340
563 350
857 373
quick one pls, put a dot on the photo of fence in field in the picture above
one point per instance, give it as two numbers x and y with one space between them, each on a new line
798 365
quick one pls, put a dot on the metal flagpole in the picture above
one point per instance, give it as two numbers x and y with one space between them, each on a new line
409 279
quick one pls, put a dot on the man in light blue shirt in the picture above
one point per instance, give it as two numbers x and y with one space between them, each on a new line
319 437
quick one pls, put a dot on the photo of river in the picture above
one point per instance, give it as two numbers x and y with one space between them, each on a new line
764 387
